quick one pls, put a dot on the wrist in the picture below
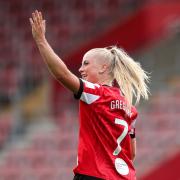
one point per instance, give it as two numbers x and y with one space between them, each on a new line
41 41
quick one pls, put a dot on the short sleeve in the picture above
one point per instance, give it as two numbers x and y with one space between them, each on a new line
88 92
78 95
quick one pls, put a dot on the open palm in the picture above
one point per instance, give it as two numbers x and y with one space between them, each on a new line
38 26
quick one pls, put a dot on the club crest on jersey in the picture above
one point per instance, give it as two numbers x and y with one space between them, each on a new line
119 104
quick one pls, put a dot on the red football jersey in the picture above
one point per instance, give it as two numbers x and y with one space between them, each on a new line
104 149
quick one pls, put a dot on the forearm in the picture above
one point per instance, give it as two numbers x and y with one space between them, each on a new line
133 148
57 67
54 63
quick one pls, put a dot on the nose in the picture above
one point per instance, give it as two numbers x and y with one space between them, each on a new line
81 69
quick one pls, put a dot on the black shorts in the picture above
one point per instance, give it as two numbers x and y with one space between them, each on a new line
84 177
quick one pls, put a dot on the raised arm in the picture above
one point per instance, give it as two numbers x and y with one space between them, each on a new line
56 66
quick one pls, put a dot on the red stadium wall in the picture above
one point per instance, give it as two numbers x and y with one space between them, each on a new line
168 170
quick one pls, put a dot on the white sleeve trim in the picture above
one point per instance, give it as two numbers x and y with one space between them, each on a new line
90 85
89 98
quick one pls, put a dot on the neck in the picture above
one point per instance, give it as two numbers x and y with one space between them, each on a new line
105 82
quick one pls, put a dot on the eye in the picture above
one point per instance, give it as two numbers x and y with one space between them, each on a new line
86 63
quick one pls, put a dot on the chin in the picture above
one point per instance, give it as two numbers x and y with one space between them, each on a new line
84 78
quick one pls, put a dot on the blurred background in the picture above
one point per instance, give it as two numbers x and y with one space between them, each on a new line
39 118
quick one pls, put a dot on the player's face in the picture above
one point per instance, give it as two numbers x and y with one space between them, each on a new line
90 68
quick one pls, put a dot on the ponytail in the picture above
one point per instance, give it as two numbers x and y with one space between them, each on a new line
129 75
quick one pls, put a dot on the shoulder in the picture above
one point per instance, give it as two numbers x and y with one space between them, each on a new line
89 92
134 112
90 85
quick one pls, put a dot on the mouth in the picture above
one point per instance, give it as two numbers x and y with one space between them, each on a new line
83 76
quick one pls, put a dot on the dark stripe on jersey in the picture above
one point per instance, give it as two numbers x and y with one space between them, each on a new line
78 95
133 133
84 177
132 136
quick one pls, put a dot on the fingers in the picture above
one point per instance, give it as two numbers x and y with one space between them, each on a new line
38 25
40 16
31 21
37 18
39 21
34 18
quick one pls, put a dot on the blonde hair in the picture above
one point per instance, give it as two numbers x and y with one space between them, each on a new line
129 75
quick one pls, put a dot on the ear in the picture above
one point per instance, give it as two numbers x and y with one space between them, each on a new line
103 69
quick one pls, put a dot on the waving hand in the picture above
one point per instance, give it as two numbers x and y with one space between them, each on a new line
38 26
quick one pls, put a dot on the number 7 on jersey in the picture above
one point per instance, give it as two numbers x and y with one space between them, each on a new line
122 136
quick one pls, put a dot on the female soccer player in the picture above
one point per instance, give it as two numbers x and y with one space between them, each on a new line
107 144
